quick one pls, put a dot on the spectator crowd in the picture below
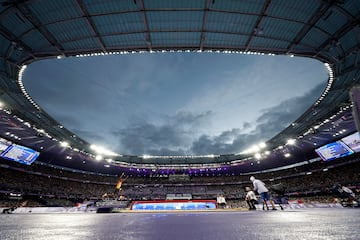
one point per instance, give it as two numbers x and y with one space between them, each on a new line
55 186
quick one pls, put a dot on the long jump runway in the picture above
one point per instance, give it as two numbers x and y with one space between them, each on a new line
304 224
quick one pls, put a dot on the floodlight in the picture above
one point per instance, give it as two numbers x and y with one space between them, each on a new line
262 145
291 141
64 144
257 155
103 151
255 148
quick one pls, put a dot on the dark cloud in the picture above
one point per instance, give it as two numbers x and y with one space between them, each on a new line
275 119
247 125
271 121
176 137
190 119
226 142
143 138
171 138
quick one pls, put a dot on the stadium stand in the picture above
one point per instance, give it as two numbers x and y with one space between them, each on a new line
50 186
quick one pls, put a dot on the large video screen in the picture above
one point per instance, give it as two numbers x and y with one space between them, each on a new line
333 150
20 154
353 141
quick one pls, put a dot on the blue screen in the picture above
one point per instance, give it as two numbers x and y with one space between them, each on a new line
333 150
174 206
20 154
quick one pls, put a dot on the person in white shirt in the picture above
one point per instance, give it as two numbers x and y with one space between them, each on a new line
220 199
250 198
259 186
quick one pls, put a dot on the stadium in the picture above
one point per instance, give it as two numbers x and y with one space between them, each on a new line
42 165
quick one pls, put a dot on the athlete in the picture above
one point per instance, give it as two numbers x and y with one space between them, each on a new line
118 188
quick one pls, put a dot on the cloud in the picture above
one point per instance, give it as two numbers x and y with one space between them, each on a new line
226 142
268 124
184 133
237 96
174 137
275 119
220 111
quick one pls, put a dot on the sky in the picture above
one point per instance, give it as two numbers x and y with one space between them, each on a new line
176 103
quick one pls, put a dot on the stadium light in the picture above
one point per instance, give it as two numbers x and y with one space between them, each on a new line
103 151
178 156
291 141
287 155
64 144
22 88
98 157
257 155
329 84
254 149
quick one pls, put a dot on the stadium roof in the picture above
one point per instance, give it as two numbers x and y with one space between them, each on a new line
327 30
